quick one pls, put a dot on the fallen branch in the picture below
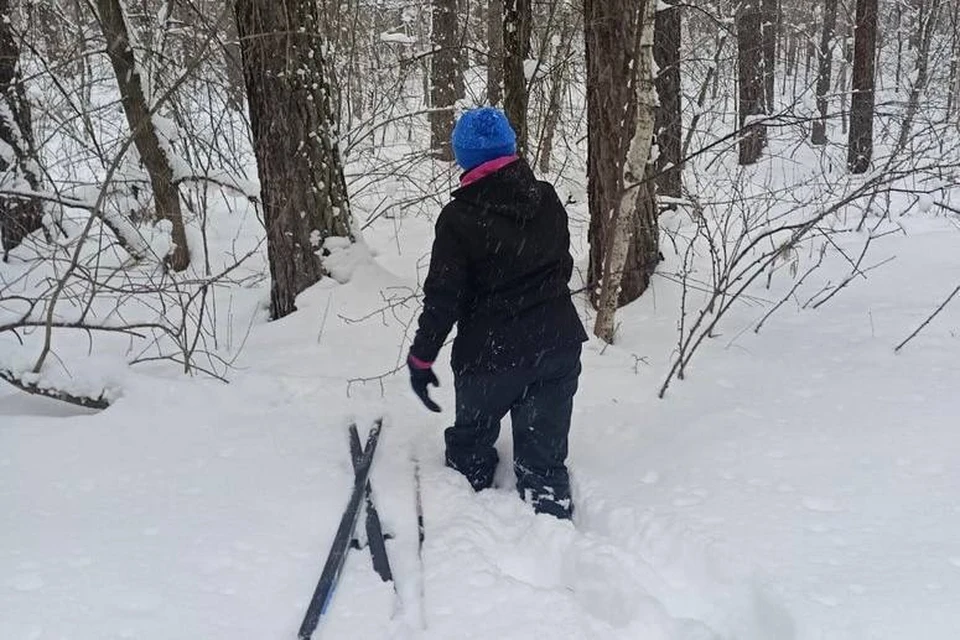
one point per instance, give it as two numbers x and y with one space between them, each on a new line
54 394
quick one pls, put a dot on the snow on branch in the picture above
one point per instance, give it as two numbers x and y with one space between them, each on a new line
35 387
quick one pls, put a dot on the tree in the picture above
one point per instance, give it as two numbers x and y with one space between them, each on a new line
753 136
445 69
769 34
494 51
824 71
612 30
926 28
140 118
302 186
557 78
637 207
517 21
19 215
860 142
669 126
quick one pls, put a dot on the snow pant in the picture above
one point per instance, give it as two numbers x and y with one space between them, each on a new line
539 399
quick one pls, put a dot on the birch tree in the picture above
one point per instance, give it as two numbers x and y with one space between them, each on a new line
302 186
635 191
153 148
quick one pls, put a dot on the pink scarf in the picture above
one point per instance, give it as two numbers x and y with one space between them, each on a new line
485 169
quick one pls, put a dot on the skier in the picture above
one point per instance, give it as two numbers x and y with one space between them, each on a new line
499 269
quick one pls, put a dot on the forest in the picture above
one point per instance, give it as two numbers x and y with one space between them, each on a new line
216 220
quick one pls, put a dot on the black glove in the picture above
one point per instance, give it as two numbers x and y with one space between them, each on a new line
420 378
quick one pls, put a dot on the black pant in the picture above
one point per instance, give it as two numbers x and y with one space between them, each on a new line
540 401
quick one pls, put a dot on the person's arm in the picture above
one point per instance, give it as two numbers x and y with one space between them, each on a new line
443 291
565 230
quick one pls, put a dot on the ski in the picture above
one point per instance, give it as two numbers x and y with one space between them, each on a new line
420 537
341 541
376 540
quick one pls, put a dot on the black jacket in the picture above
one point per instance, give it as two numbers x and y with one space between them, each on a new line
499 269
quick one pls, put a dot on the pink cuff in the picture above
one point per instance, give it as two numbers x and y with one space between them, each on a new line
418 363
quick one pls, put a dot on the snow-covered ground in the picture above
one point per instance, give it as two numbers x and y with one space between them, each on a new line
800 483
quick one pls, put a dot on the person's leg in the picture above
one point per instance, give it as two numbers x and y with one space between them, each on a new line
541 424
482 401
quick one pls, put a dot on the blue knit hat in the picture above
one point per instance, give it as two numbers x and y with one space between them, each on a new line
481 135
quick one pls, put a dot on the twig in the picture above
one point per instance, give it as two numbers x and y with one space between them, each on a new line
928 320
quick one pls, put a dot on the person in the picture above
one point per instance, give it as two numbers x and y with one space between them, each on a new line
499 269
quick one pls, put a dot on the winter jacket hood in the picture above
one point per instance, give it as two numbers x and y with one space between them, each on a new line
511 191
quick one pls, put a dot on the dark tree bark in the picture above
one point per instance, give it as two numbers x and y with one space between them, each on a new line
166 195
494 52
751 80
860 145
444 69
19 216
294 134
233 61
611 35
517 20
769 33
824 72
669 126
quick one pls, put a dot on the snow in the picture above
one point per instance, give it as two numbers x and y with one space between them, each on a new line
398 38
799 484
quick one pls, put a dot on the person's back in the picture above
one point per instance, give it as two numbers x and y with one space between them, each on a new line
500 268
508 234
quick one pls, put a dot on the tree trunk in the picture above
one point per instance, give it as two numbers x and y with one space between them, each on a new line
635 209
953 87
19 216
295 141
751 80
769 33
669 126
824 71
233 61
444 69
926 27
557 84
153 152
516 49
860 146
494 52
611 36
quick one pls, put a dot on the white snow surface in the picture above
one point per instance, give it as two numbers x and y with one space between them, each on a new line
800 483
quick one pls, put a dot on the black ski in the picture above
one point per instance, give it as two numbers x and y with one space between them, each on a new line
341 541
420 536
375 538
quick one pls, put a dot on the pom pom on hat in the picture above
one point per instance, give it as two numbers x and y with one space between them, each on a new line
481 135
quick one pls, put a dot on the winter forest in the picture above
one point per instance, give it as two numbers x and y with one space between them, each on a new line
217 219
